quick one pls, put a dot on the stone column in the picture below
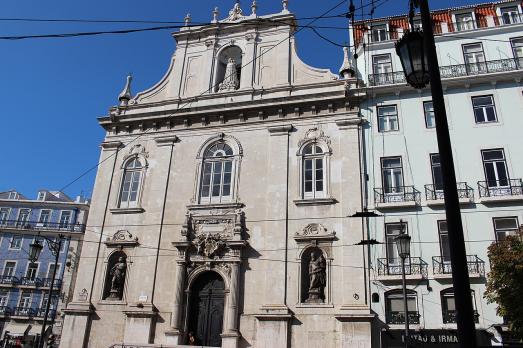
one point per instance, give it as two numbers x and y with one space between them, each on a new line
175 335
230 333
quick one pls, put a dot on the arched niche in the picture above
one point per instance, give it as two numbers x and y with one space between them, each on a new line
222 59
313 269
115 276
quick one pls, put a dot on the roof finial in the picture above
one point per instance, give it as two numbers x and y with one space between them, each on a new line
187 19
215 15
285 4
236 12
347 68
254 7
126 94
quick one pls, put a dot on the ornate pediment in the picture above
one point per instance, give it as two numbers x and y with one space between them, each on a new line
314 231
122 238
315 134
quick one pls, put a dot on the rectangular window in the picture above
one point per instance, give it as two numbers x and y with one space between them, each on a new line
41 196
495 167
430 118
464 21
9 269
51 269
4 215
510 15
437 175
23 217
32 271
25 300
216 181
444 245
13 195
65 218
474 58
45 216
392 230
4 296
387 118
505 226
517 50
379 33
392 175
16 242
382 69
484 109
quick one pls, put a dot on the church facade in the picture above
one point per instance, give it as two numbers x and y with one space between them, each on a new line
219 212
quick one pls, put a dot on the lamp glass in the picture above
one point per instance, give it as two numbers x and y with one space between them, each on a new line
411 51
35 249
403 245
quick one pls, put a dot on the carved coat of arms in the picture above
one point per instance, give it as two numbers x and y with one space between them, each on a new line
209 244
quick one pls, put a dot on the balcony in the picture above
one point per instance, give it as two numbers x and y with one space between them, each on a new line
443 269
391 269
39 313
4 311
24 312
452 71
494 191
30 282
8 280
46 283
397 197
449 316
436 197
42 226
397 318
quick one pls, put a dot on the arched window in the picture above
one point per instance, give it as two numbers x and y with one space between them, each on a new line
448 306
228 69
216 184
131 183
394 307
314 171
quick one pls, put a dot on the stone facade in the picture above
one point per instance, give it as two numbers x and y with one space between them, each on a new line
220 183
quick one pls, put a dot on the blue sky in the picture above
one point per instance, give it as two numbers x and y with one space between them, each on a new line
52 90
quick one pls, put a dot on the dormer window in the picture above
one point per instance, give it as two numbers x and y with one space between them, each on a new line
41 196
13 195
464 21
509 15
379 33
228 70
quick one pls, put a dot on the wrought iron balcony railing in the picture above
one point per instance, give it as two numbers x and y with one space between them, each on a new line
392 267
30 281
23 312
456 70
475 265
449 316
8 280
4 310
46 282
398 194
399 317
498 188
464 191
40 313
42 226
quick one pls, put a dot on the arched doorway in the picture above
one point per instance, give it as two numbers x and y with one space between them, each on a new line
206 309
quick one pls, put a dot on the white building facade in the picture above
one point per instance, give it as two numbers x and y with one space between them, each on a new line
480 54
219 212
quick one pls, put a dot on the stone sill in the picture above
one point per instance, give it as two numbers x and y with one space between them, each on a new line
112 303
202 206
397 278
315 305
7 285
396 205
501 199
315 201
449 276
441 202
126 210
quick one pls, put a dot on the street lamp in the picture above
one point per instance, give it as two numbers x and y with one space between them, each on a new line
417 52
403 245
35 249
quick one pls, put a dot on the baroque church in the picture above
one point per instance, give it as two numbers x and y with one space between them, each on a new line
220 209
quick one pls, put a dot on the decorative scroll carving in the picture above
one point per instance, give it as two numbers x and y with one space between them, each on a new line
121 238
209 245
315 134
313 229
138 149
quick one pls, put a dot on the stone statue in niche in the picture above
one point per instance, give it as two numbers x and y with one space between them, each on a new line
317 277
115 279
231 80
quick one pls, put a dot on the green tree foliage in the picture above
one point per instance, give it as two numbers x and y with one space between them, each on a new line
505 281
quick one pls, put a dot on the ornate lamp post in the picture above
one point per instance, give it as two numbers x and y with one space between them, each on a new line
34 253
417 52
403 245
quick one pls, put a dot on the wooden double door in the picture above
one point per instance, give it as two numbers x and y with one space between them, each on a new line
206 309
